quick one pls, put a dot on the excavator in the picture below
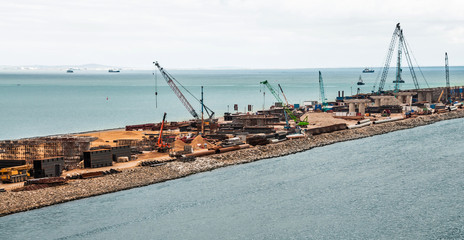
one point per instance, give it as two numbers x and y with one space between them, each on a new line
162 146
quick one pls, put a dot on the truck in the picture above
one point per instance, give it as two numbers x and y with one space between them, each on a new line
15 174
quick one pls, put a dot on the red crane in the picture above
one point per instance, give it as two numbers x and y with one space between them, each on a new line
162 146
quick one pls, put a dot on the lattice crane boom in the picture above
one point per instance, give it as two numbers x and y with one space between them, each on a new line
386 67
321 90
447 70
170 80
408 59
175 89
448 87
398 63
283 94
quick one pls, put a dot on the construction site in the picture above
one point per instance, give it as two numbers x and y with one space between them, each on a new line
58 159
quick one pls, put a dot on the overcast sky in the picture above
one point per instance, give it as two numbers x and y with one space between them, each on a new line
222 33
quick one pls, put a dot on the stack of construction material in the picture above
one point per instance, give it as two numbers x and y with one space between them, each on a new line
233 148
295 136
11 163
388 120
178 152
49 181
154 163
34 184
361 123
91 174
231 142
327 129
255 140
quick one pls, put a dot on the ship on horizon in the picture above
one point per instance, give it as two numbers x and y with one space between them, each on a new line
360 81
368 70
70 70
114 70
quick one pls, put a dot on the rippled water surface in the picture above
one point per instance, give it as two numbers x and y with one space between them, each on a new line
38 103
402 185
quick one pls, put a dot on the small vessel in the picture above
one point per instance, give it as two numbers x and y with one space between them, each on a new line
360 81
114 70
368 70
398 81
70 70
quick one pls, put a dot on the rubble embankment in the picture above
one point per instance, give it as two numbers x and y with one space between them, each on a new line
12 202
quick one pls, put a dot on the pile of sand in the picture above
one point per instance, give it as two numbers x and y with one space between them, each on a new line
178 145
200 140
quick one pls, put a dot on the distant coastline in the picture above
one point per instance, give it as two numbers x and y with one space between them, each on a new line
102 67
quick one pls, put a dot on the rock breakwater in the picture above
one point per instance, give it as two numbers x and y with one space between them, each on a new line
12 202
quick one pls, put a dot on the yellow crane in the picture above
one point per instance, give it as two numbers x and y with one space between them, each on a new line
441 94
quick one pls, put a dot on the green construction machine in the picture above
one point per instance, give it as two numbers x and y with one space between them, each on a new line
285 106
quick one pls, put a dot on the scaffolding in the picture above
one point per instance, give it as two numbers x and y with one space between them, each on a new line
69 147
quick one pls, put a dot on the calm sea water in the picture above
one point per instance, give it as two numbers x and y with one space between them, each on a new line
37 103
402 185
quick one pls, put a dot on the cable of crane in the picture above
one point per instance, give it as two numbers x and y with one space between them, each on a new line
172 83
191 94
379 73
156 87
418 66
385 67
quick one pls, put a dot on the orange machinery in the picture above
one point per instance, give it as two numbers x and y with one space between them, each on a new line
162 146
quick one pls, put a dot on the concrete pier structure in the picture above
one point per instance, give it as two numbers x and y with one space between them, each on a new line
424 95
385 100
360 103
405 97
434 93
